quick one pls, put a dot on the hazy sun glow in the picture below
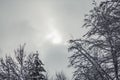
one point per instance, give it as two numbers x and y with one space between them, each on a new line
54 37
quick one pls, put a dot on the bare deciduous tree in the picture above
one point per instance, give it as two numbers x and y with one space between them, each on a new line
104 36
60 76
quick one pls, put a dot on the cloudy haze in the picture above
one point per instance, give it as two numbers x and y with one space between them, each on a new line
45 25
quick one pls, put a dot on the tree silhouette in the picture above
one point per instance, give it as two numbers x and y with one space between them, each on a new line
60 76
35 68
22 68
101 45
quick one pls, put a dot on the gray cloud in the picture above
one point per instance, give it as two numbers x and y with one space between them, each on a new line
28 21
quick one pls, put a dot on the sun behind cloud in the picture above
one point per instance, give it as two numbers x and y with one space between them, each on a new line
54 37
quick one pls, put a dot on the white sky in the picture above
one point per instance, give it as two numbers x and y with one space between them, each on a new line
45 25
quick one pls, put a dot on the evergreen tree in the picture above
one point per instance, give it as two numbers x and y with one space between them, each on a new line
22 68
35 67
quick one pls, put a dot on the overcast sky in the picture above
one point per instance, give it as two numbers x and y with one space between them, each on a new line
44 25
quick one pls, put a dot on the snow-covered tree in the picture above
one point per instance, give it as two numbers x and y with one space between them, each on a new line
101 44
22 68
34 67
